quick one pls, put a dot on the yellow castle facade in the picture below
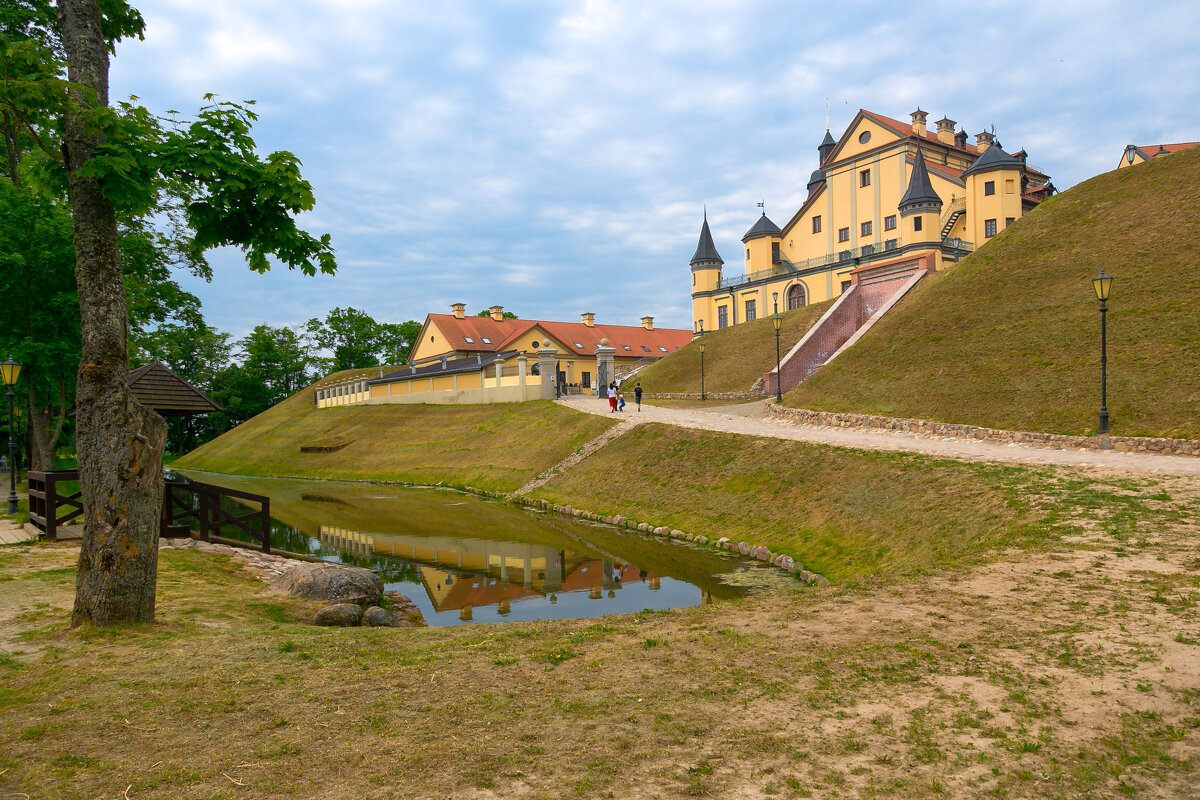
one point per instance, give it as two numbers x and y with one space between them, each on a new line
883 191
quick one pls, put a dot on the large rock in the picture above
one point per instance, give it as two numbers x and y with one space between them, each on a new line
377 617
340 615
333 583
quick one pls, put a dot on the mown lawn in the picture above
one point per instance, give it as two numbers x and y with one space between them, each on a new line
493 447
1063 674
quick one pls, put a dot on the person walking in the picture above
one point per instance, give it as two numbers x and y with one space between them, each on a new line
612 397
620 400
637 395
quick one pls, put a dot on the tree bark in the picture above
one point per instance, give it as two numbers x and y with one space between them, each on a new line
119 443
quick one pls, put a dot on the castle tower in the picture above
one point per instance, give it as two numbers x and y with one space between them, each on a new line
762 245
993 192
706 274
920 206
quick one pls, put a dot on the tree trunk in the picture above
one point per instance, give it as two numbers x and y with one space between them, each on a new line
119 443
43 433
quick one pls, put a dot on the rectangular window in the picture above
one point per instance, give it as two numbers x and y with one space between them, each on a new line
747 253
843 234
866 228
889 223
751 310
1010 186
1009 221
989 227
989 187
891 244
775 253
846 286
722 316
817 224
864 178
916 223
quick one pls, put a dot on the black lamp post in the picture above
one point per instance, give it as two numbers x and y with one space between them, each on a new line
776 322
701 346
9 371
1101 283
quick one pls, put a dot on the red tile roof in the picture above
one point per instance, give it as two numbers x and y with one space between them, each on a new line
578 338
1152 150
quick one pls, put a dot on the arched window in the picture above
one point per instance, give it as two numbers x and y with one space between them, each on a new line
795 297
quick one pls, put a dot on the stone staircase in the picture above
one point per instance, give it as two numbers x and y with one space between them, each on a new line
874 291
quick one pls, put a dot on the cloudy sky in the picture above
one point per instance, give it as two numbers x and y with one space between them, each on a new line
554 157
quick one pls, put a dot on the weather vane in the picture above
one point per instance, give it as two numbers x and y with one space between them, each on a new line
763 205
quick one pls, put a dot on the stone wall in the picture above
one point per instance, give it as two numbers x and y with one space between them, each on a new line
1125 444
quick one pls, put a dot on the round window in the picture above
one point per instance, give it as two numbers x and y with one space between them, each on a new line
864 137
537 344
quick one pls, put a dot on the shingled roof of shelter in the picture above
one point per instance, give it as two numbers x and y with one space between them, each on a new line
156 386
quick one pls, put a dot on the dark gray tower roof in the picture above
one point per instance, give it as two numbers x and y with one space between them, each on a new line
826 146
993 158
764 227
706 251
920 197
816 179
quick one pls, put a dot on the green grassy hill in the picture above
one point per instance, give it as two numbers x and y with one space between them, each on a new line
1011 337
734 357
494 447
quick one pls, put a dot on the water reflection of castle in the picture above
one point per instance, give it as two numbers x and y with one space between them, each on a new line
460 574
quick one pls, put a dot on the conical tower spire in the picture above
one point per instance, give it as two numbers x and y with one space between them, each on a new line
706 252
920 197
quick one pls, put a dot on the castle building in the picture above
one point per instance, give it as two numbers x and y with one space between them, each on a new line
885 190
1136 155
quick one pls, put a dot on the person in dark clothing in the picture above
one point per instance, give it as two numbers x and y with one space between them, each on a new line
637 395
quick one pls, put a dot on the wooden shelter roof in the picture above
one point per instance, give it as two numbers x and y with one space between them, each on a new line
157 387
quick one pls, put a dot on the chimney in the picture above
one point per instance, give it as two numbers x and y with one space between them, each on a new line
497 312
960 139
589 319
444 360
945 131
648 323
918 122
459 309
983 140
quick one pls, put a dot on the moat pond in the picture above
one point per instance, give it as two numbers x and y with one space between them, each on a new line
463 559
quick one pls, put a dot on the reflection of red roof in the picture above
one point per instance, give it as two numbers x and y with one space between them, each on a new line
481 591
579 339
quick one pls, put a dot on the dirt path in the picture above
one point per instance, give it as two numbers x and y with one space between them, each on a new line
733 420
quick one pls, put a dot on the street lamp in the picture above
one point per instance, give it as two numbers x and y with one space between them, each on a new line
701 346
9 371
776 322
1101 283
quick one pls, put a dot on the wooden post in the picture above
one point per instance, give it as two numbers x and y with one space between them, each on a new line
266 525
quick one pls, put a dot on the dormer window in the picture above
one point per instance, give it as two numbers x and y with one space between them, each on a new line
486 340
627 347
468 340
579 345
660 347
646 349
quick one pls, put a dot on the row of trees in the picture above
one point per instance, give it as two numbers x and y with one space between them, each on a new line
249 375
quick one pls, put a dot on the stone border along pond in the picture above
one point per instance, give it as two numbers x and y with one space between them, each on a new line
756 551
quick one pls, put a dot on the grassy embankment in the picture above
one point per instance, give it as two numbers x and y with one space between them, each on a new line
1065 674
734 357
1011 337
846 514
496 447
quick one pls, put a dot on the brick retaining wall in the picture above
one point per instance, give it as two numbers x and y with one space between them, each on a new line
1124 444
